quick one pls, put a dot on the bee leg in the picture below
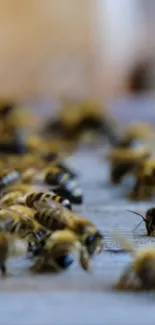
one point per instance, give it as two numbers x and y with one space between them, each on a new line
30 249
55 265
125 280
3 269
84 259
138 191
39 265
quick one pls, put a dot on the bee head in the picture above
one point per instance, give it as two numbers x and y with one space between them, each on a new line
64 261
149 220
94 242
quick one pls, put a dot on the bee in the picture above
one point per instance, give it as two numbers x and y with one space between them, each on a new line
8 177
56 245
10 198
125 161
139 274
67 187
6 109
14 221
31 198
60 218
149 220
137 131
145 180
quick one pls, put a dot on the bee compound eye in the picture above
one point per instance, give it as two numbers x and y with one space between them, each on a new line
91 237
65 261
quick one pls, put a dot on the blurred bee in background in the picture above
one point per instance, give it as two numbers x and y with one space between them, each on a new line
67 187
126 161
97 119
61 243
138 131
149 220
78 119
11 134
140 274
145 180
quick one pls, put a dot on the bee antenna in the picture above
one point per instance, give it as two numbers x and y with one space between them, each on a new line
137 226
138 214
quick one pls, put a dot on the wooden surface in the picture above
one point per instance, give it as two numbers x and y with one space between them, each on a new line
74 297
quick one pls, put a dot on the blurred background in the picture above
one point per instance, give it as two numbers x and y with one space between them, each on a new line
76 48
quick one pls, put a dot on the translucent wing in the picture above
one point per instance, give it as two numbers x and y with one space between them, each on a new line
124 243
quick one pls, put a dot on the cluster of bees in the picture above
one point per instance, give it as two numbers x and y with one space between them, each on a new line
37 191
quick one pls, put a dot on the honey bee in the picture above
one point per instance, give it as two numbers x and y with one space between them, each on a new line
140 274
67 187
31 198
145 180
56 245
8 178
137 131
125 161
60 218
10 198
149 220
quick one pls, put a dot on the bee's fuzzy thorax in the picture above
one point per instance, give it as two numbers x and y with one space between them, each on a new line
61 237
144 255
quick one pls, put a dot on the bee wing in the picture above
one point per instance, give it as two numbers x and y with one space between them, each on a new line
124 243
52 204
13 211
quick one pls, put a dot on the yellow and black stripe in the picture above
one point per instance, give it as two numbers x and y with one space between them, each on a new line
34 197
50 219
